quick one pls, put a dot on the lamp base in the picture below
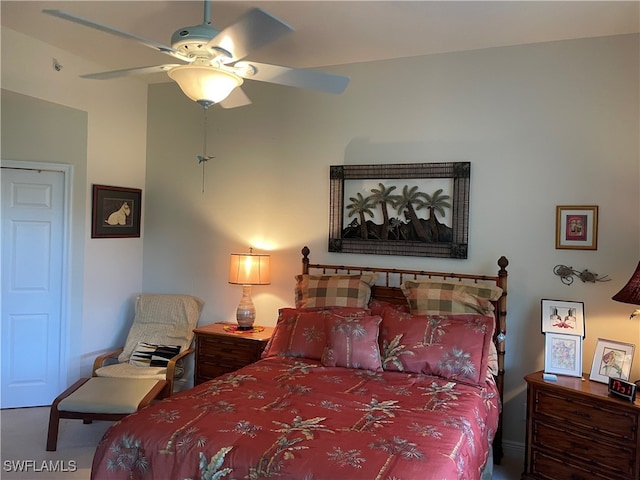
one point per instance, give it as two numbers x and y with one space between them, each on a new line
246 312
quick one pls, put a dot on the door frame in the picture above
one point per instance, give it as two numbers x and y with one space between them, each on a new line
65 324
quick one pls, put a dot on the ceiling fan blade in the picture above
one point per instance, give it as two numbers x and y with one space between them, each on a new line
114 31
237 98
295 77
130 71
253 30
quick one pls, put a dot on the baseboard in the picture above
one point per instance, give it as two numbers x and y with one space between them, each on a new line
513 449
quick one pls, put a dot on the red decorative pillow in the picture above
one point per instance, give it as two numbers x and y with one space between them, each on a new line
298 334
352 342
301 332
377 306
455 347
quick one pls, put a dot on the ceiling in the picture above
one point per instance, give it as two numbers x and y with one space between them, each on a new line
326 33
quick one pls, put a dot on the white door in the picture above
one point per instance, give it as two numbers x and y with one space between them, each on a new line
32 253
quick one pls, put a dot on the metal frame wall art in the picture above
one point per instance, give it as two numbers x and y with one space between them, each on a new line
577 227
116 212
418 209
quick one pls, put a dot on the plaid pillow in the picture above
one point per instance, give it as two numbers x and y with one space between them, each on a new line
430 297
334 290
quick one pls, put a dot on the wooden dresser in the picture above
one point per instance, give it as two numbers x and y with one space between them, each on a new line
219 351
577 431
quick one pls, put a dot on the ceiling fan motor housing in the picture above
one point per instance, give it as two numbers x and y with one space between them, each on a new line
193 41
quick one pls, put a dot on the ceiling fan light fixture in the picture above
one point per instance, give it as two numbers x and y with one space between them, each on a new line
205 84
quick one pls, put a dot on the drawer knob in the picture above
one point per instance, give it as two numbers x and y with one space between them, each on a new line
578 413
577 446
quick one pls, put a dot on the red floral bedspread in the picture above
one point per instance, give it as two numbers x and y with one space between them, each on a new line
295 419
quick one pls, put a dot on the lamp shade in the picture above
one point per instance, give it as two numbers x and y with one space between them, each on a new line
204 83
630 293
250 269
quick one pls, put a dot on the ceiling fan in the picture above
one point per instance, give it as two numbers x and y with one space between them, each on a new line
212 68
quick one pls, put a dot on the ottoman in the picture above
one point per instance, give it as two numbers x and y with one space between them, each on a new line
101 398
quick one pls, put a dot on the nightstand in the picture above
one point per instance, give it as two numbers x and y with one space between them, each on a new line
219 351
576 431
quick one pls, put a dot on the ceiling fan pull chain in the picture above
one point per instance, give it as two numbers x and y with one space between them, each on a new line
204 147
204 158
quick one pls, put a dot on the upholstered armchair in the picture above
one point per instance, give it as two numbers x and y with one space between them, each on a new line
160 336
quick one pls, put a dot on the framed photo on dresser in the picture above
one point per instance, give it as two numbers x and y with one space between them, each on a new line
611 360
563 354
560 316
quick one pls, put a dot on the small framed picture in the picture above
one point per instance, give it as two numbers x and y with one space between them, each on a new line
577 227
116 212
611 360
559 316
563 354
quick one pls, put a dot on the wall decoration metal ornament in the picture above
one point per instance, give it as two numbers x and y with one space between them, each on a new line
577 227
116 212
415 209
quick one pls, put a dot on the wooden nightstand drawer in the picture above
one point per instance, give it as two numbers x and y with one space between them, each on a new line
553 468
219 351
207 371
587 414
220 347
585 449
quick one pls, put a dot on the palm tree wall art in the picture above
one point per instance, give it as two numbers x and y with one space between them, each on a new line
401 209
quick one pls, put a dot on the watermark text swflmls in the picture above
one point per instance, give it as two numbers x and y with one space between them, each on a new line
61 466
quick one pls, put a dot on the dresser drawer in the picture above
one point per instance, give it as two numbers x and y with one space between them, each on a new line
550 467
208 371
588 414
227 362
617 458
227 348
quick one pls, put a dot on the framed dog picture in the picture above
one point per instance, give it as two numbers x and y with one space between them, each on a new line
116 212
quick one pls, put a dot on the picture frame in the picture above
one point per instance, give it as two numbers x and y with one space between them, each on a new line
427 209
563 354
577 227
116 212
559 316
611 359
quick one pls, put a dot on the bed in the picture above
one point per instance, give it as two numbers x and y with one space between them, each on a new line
373 373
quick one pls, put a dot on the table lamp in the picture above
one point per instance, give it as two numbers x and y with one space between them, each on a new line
248 269
630 293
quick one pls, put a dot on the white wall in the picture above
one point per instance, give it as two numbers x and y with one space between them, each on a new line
542 125
106 273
